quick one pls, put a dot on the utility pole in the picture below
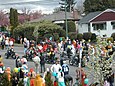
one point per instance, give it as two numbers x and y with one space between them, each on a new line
66 19
64 3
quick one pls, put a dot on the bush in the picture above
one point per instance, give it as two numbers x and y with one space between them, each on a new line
71 26
61 33
55 36
79 36
87 36
48 36
113 36
110 39
93 37
24 31
72 35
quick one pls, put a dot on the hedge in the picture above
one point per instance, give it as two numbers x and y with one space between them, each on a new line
113 36
79 36
72 35
87 36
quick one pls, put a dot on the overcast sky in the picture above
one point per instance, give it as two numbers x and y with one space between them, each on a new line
46 6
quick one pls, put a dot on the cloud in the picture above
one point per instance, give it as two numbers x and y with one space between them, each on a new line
44 5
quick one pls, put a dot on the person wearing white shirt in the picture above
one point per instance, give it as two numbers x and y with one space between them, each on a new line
36 61
11 43
7 42
55 67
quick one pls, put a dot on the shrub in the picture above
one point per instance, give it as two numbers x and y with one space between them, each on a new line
55 36
93 37
113 36
72 35
71 26
110 39
79 36
24 31
87 36
61 33
48 35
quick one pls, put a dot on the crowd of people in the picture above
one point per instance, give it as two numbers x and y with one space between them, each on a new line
46 51
6 42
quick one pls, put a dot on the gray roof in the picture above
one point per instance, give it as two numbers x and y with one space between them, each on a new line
55 17
89 17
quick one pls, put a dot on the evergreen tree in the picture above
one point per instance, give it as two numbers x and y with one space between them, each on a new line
98 5
69 5
13 19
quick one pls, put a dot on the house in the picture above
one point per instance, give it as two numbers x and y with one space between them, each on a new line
59 17
101 23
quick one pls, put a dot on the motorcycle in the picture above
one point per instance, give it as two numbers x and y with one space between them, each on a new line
10 53
74 60
30 54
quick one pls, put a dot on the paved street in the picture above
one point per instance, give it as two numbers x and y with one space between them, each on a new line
19 51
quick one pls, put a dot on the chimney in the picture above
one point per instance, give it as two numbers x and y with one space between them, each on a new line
75 14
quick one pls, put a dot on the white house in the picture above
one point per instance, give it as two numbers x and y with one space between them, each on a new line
101 23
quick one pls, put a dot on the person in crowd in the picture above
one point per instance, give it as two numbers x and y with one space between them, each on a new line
18 62
38 80
31 75
77 77
40 48
25 67
55 67
36 60
42 62
21 40
21 73
8 72
1 66
25 80
7 42
26 45
11 43
14 79
65 68
83 76
45 73
3 44
111 79
106 83
60 77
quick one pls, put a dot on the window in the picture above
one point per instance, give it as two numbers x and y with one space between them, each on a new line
97 26
113 25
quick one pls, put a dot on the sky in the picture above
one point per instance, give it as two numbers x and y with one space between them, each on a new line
47 6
